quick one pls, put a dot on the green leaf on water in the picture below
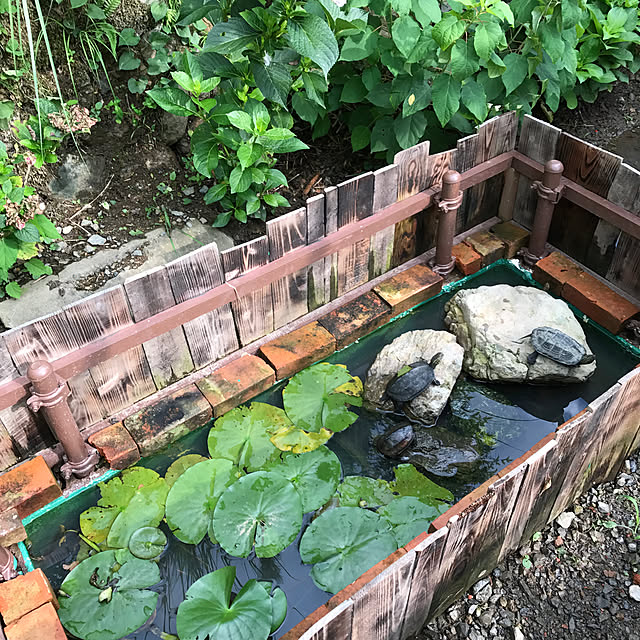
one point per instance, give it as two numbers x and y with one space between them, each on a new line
179 466
360 491
409 517
147 543
410 482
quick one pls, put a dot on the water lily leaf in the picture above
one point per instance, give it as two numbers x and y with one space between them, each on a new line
147 543
410 482
298 440
207 611
243 435
194 496
91 612
180 465
264 509
343 543
409 517
278 604
315 475
133 500
316 398
359 491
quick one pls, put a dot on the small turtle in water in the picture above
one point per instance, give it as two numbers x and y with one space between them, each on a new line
405 387
396 440
558 346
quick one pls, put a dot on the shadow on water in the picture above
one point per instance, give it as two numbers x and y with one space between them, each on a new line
504 421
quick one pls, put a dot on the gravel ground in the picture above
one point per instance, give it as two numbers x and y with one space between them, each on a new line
578 578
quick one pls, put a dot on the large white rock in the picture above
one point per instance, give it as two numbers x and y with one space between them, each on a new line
490 323
406 349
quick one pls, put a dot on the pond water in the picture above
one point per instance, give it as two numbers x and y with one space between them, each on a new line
516 416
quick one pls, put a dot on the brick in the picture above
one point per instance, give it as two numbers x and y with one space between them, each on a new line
39 624
488 246
169 419
468 261
28 487
554 271
24 594
409 288
116 446
356 318
600 303
298 349
512 235
236 382
11 529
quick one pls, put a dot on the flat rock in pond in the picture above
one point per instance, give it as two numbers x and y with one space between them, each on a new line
492 322
406 349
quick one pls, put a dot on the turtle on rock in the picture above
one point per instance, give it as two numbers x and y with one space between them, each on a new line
558 346
396 440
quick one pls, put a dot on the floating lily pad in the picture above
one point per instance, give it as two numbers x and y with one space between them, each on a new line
264 509
298 440
410 482
147 543
343 543
278 604
107 596
315 475
133 500
193 498
409 517
360 491
243 435
207 611
180 466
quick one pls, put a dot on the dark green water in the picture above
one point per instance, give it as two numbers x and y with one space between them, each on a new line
533 413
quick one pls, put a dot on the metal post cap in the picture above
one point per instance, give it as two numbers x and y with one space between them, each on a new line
451 177
39 370
553 166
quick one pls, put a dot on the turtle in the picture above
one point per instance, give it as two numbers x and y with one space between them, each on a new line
405 387
396 440
557 346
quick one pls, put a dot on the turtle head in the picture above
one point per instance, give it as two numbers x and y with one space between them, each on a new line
436 360
588 358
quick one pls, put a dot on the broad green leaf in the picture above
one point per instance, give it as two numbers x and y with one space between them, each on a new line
204 148
128 38
230 38
551 40
418 99
278 602
241 120
359 47
405 32
290 438
273 80
360 491
401 7
495 66
353 91
193 498
445 93
249 153
261 509
26 251
240 179
409 130
137 85
130 603
259 115
159 63
37 268
464 61
382 135
410 482
128 61
210 611
158 10
147 543
315 475
409 517
516 71
216 193
28 233
448 30
8 253
179 466
474 98
133 500
487 37
312 37
502 10
343 543
243 435
174 101
13 289
427 11
360 137
308 110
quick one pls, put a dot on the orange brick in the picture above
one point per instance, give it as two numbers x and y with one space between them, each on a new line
488 246
236 382
356 318
28 487
37 625
409 288
600 303
513 236
468 261
116 446
566 424
11 529
170 418
554 271
298 349
24 594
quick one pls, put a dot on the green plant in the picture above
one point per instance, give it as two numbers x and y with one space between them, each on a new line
633 524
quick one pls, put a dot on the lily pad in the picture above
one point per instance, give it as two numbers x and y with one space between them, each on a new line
315 475
207 611
147 543
318 396
192 499
409 517
243 435
298 440
278 604
264 509
343 543
180 466
107 596
360 491
410 482
130 501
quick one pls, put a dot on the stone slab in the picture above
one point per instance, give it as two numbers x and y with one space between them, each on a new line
488 246
24 594
554 271
513 236
116 446
409 288
41 624
468 261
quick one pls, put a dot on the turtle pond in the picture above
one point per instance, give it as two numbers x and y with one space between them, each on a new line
243 528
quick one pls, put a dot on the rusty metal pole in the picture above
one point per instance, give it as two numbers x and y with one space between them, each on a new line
7 565
50 392
549 193
449 203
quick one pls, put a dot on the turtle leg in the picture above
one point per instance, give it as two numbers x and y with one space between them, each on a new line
532 357
436 382
588 358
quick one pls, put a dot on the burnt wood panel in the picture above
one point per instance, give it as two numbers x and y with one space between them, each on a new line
253 313
212 335
317 290
572 229
336 625
385 193
466 153
330 226
9 454
289 294
27 431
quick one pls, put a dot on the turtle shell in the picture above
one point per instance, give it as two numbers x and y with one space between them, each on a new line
557 345
411 384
